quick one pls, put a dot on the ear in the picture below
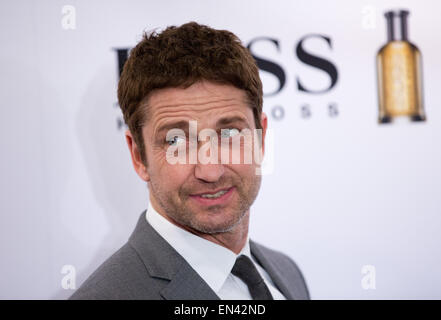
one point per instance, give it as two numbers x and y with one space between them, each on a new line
139 166
264 123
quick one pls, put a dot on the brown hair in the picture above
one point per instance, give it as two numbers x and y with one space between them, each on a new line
179 57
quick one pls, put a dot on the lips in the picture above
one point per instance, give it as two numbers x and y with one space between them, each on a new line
211 192
217 197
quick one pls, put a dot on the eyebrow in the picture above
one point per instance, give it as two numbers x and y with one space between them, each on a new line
183 124
229 120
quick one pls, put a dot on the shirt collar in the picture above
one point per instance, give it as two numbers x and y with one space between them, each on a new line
211 261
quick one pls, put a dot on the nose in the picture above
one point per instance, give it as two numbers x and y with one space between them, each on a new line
209 172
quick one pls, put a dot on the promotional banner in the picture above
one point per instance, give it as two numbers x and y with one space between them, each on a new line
351 186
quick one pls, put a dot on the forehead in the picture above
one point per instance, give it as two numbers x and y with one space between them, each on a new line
199 91
201 101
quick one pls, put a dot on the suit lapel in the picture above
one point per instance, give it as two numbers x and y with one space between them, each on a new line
186 284
162 261
272 270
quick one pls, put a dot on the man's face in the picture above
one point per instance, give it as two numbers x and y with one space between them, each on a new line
187 194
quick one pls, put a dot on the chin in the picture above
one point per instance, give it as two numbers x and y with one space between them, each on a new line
214 229
217 224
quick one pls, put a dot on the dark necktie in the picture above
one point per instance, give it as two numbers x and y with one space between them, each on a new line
245 269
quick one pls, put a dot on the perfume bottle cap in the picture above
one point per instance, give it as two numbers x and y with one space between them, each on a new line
396 25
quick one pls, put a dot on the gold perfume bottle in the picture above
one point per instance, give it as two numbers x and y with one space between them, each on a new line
399 73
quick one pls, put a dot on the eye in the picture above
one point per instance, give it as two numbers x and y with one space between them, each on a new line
176 140
228 133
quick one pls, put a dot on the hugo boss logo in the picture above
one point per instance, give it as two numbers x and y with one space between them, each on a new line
314 60
268 64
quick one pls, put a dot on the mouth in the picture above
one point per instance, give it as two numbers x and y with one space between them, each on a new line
213 198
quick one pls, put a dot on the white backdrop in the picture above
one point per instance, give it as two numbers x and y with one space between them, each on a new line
345 191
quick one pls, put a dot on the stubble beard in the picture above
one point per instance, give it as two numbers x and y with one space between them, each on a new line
178 211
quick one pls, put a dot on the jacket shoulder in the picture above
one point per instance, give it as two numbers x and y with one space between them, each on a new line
122 276
286 266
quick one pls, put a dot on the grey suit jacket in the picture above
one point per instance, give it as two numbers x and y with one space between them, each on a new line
147 267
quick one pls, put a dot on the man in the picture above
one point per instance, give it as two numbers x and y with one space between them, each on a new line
192 242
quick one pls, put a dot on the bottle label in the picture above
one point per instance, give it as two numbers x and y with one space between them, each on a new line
399 74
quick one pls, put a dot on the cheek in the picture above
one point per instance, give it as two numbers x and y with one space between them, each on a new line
245 150
246 172
169 176
156 160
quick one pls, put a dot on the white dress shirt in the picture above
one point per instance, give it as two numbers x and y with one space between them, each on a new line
211 261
